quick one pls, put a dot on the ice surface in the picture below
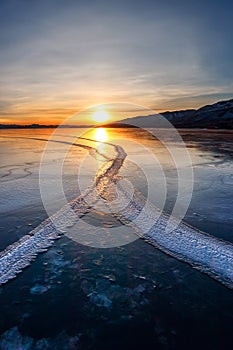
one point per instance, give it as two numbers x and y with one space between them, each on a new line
12 339
202 251
39 289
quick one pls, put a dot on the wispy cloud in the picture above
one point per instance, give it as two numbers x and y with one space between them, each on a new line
84 53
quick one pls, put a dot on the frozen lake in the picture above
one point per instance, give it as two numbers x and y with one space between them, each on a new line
92 298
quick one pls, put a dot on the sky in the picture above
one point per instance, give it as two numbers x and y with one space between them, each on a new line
59 57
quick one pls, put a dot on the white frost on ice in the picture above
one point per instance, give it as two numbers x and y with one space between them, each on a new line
202 251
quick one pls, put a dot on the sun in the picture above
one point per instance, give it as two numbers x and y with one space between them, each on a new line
100 116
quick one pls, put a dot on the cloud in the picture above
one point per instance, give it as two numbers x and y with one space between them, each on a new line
94 52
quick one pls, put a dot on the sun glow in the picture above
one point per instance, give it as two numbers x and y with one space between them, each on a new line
100 116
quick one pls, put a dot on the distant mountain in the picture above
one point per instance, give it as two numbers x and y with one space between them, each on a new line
40 126
216 116
31 126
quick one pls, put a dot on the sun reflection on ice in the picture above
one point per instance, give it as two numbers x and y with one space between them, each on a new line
100 135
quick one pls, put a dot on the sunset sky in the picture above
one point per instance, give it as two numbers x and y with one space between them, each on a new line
59 57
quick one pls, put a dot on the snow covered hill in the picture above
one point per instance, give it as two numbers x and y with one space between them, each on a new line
216 116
